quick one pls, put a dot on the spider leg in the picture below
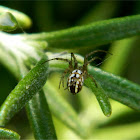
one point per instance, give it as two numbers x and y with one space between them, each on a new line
62 77
93 59
66 60
91 53
75 61
62 53
93 80
63 59
88 62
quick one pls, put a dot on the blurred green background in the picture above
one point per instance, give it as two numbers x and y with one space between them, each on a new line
55 15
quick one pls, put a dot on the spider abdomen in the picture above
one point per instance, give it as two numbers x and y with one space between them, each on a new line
75 81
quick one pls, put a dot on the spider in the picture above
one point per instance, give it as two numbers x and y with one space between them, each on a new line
77 73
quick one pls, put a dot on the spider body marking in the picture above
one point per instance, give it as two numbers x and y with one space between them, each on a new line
75 81
78 74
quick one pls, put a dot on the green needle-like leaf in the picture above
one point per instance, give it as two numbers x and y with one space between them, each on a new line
40 117
63 111
118 88
100 95
24 91
94 34
23 20
8 134
19 53
8 22
115 87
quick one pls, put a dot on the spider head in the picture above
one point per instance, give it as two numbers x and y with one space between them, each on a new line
75 81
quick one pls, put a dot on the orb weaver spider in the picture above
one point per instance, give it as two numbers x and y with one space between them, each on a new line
77 73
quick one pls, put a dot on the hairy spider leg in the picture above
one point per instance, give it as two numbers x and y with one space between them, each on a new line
63 59
75 61
85 68
68 70
62 77
65 72
91 53
92 79
93 59
88 62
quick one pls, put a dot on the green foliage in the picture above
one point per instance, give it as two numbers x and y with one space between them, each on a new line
125 91
8 22
8 134
63 111
118 88
40 118
24 55
92 35
23 20
24 91
100 95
